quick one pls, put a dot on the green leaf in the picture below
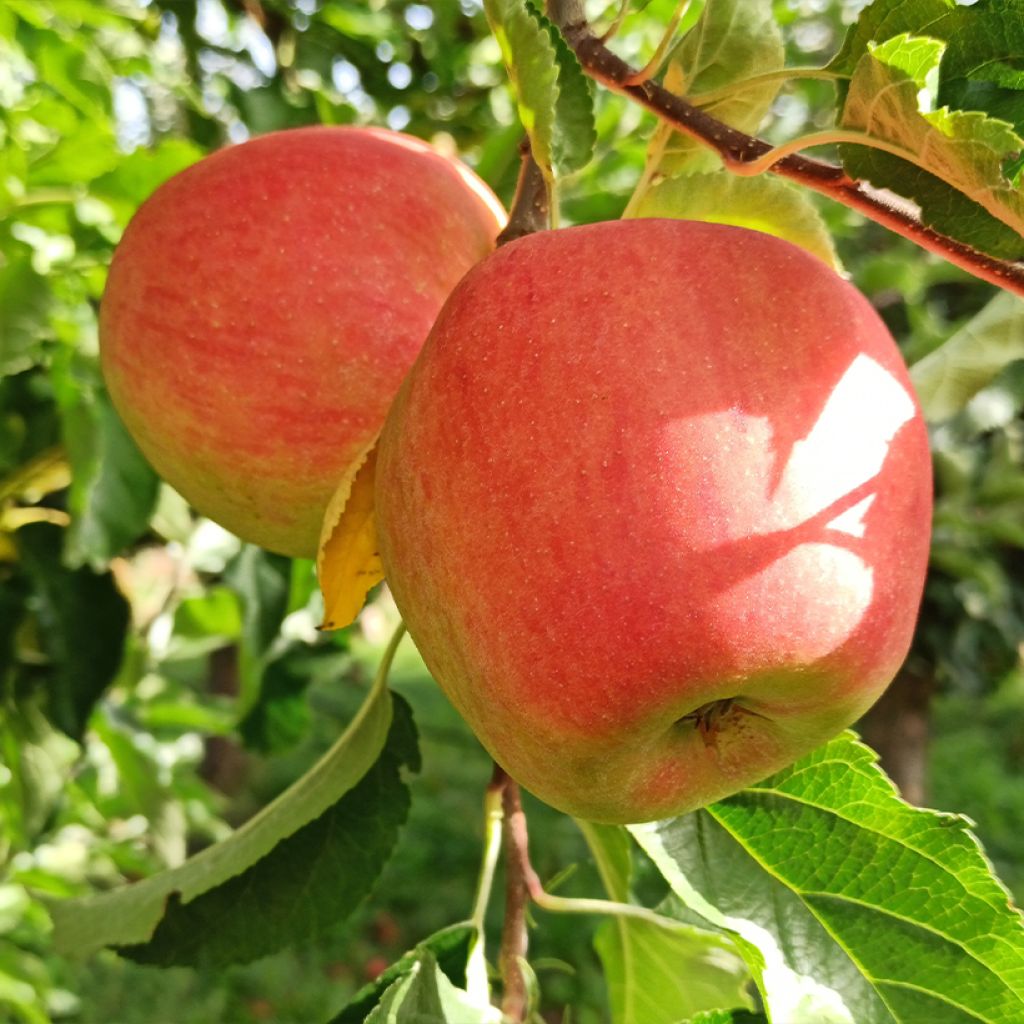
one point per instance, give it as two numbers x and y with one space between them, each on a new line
426 996
728 1017
935 152
137 175
263 581
866 910
885 19
131 914
575 134
113 489
82 622
279 718
450 947
947 378
554 100
981 68
24 302
39 759
763 203
732 40
656 975
309 882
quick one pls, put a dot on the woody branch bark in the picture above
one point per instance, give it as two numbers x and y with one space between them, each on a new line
737 149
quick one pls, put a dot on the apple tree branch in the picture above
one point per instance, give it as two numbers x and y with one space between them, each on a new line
737 150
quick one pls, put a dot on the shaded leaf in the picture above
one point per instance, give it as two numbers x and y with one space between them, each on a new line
263 581
450 947
947 378
113 487
82 618
280 717
24 300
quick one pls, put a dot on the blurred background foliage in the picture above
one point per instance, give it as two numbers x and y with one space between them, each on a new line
159 681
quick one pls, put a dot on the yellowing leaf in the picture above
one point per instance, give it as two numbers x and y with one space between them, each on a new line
348 563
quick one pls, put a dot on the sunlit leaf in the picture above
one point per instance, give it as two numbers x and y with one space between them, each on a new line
763 204
961 150
866 910
733 40
554 100
883 20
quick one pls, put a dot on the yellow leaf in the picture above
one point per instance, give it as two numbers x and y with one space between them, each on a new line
348 563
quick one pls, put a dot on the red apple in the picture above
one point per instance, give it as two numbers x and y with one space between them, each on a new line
264 305
654 502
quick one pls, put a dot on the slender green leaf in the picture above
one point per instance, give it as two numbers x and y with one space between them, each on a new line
130 915
309 882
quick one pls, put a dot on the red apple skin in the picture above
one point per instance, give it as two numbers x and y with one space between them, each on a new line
642 467
264 305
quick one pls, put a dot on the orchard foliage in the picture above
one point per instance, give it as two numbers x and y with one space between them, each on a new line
299 812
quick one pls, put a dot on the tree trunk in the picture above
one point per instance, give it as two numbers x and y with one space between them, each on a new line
898 728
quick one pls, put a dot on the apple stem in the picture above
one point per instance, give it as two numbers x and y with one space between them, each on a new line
737 149
531 207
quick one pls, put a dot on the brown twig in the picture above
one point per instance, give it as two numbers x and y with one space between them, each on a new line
531 208
736 149
518 877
